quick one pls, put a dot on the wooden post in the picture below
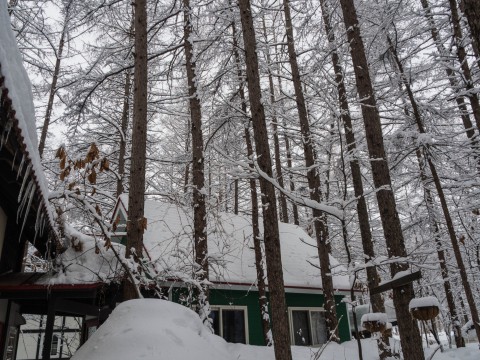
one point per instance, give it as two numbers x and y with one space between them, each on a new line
47 340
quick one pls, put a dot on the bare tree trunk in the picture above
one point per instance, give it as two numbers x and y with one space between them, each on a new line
123 135
198 176
53 86
472 13
280 331
362 212
262 293
462 57
136 197
467 123
429 200
409 335
186 178
441 195
235 196
320 219
288 152
276 142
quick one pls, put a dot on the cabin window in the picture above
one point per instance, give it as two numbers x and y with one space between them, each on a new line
230 322
307 326
54 348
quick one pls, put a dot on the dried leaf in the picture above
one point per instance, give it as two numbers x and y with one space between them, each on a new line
62 163
92 177
71 185
115 223
108 244
143 224
97 210
104 165
92 154
60 154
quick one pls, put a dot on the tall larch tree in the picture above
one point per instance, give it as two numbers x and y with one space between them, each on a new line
198 161
362 211
409 333
314 184
136 197
280 332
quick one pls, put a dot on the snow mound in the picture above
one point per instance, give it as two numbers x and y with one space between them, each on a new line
152 329
426 301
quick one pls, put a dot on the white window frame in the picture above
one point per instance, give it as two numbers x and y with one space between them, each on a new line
290 321
219 308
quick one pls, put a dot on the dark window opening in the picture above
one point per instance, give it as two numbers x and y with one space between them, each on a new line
229 324
308 327
234 326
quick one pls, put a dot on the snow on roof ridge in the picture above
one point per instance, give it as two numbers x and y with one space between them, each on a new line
19 91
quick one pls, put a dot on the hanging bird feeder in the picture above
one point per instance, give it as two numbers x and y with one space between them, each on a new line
425 308
375 322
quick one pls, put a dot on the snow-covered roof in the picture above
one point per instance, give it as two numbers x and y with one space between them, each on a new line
169 234
17 96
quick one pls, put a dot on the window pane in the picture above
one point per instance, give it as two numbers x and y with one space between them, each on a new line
215 316
234 326
54 348
319 327
301 328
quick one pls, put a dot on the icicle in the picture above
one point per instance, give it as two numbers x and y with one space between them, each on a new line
25 177
31 195
24 199
6 133
20 167
37 220
14 158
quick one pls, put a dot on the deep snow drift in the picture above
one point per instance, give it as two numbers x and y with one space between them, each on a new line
152 329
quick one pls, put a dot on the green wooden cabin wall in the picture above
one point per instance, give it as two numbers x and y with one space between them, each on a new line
250 300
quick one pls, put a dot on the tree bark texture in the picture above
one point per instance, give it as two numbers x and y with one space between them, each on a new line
280 330
472 13
136 196
429 199
123 136
313 178
276 143
288 152
462 58
362 211
410 337
198 161
262 293
462 107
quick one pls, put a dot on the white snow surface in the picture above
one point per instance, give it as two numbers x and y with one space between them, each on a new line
380 318
153 329
20 92
83 265
424 302
169 239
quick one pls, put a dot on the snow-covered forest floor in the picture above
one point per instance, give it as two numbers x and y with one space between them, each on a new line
151 329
